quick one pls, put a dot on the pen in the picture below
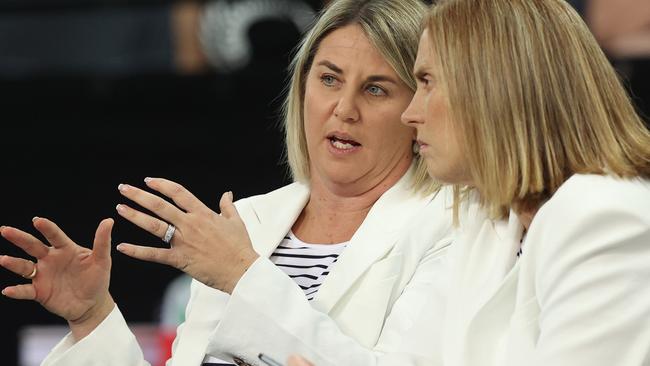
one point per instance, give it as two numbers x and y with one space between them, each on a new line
268 360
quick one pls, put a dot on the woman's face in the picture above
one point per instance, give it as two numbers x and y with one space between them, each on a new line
352 108
429 114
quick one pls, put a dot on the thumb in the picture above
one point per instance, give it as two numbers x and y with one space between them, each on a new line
228 209
102 243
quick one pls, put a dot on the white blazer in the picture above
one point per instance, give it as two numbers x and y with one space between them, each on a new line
578 296
380 286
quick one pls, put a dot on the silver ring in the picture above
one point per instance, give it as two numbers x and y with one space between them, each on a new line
169 234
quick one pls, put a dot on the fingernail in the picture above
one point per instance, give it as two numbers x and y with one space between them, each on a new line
120 208
3 292
148 179
120 248
123 187
35 218
230 195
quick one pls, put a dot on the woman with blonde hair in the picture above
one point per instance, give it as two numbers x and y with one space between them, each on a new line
520 110
335 261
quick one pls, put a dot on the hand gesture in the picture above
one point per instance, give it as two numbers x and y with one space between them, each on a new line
213 248
66 279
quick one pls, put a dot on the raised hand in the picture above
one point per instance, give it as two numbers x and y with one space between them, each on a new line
67 279
213 249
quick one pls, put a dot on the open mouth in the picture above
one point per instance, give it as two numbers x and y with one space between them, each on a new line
342 143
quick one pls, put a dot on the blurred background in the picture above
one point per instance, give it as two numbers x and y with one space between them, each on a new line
100 92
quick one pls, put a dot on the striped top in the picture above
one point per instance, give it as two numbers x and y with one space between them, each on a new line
307 264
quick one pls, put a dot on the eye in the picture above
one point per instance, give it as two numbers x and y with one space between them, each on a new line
376 90
328 80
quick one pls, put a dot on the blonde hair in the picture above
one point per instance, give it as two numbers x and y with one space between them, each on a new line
534 98
393 27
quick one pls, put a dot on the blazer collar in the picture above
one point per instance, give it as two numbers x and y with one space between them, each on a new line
372 241
272 216
486 260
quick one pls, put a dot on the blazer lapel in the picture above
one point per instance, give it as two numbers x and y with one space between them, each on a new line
371 242
488 261
270 218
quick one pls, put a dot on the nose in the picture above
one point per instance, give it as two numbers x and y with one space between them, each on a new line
414 112
347 109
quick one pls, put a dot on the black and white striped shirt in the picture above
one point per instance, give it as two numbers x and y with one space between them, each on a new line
307 264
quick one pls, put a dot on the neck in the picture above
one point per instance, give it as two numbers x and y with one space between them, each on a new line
335 212
526 217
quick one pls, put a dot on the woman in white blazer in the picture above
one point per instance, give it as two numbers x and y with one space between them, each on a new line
519 108
357 180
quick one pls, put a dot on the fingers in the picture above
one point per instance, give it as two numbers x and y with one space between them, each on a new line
179 194
228 209
149 254
102 242
151 224
298 361
52 232
153 203
20 292
19 266
25 241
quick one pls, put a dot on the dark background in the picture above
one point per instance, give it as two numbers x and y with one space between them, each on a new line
76 122
70 135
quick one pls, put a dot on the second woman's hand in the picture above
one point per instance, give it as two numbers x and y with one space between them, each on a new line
213 248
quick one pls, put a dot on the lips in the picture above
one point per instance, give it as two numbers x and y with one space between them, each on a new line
342 141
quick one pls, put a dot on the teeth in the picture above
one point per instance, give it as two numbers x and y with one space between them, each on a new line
342 145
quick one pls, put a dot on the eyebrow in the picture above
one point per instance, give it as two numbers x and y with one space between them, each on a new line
370 79
331 66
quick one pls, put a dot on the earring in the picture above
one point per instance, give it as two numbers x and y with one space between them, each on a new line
416 148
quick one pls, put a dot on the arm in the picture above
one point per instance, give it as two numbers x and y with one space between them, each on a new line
592 280
72 282
268 313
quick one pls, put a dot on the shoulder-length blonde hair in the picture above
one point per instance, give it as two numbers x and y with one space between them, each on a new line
534 98
392 26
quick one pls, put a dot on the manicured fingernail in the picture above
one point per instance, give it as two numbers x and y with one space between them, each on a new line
148 179
120 208
35 218
120 248
123 187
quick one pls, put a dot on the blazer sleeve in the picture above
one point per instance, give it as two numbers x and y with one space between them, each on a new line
111 343
267 313
592 276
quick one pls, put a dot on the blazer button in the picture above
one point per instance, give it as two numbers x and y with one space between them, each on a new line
239 362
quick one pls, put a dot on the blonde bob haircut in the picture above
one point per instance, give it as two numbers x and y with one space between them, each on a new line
393 27
534 99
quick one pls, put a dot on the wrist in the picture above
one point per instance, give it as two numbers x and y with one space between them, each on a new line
89 321
239 270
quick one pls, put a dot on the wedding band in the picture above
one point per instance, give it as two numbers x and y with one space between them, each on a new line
171 229
33 274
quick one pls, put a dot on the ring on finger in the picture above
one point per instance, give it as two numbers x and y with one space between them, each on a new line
33 274
169 234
